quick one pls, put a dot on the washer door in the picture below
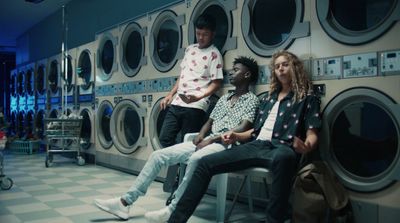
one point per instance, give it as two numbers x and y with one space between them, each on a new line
107 56
222 11
360 139
40 80
85 69
30 82
104 113
268 25
39 123
86 131
127 126
157 116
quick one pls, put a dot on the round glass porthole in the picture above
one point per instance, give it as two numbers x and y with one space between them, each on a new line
107 55
30 81
69 74
40 80
268 25
29 123
166 40
132 49
14 122
85 69
156 121
13 85
53 77
86 130
357 22
104 113
127 124
20 83
222 11
21 123
39 124
364 151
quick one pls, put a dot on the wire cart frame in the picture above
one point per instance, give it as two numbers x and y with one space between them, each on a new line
63 136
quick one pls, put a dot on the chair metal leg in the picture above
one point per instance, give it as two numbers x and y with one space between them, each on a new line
222 184
249 194
235 199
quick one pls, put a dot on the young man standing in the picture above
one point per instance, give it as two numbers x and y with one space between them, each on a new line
201 75
234 111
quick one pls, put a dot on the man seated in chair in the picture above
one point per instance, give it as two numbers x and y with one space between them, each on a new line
286 117
234 111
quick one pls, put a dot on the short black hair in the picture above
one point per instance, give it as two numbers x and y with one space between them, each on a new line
251 64
206 21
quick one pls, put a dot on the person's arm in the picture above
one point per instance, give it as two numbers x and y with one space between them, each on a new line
213 87
203 131
243 126
308 144
168 99
232 137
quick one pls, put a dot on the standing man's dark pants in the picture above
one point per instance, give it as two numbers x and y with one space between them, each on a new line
180 119
280 159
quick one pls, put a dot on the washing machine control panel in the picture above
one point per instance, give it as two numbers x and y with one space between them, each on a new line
327 68
390 63
371 64
360 65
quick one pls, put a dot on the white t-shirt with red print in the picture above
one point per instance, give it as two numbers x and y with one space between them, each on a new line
198 68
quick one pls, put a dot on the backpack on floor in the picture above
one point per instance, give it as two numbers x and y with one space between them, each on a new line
319 197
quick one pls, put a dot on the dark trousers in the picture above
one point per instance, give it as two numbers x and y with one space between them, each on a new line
281 160
180 120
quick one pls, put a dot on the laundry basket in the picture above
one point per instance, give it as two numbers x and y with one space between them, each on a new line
24 146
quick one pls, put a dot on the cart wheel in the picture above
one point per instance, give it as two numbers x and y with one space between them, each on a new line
6 183
81 161
49 161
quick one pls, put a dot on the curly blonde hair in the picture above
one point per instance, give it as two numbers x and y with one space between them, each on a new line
300 84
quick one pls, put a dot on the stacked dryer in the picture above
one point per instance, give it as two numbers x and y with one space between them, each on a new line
119 111
357 71
13 102
30 99
69 82
85 73
54 86
21 108
41 97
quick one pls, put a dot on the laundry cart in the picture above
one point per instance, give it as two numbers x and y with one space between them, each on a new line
63 136
5 182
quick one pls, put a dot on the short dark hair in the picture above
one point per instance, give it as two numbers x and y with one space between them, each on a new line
206 21
251 64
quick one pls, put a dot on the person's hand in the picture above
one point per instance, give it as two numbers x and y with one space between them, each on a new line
204 143
300 146
228 138
189 98
198 139
166 101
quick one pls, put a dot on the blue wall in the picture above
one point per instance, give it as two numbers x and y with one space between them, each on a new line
84 19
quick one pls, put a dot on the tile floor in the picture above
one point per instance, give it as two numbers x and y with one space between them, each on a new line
65 191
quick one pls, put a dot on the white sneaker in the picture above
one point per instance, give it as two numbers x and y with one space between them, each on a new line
113 206
159 216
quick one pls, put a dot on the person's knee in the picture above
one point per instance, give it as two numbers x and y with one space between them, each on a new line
284 156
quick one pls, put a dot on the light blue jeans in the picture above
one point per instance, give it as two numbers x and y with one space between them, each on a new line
179 153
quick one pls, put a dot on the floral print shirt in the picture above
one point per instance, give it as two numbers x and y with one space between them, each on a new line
198 68
293 119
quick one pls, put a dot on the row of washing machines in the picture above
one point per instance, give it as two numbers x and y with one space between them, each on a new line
350 49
